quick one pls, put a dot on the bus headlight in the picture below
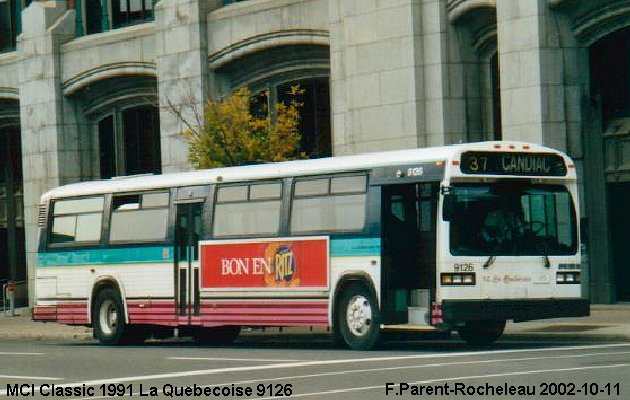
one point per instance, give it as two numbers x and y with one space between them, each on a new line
568 277
450 279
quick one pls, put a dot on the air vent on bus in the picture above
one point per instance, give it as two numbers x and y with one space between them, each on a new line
41 218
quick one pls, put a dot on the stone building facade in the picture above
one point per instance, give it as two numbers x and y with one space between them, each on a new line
85 87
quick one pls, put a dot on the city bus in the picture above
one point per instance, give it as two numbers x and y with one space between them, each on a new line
457 238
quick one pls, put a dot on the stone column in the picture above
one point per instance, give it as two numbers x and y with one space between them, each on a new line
443 78
50 150
531 60
376 83
182 71
396 81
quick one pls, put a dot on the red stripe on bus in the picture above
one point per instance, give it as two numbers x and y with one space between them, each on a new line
251 313
255 313
64 313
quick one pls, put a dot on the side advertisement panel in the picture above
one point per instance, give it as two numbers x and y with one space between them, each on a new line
265 264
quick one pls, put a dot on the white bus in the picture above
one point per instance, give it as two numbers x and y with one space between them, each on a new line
457 238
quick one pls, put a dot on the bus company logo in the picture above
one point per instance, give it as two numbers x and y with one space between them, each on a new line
506 279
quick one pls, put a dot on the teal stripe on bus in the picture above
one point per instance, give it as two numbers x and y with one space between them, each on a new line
127 255
343 247
355 247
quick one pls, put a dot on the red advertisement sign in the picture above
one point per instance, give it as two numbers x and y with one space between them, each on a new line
264 263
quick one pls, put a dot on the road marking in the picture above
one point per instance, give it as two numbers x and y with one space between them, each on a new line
36 378
213 371
295 377
229 359
8 353
459 378
499 360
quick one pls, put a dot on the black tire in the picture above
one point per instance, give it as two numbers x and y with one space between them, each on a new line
217 335
482 333
358 317
338 338
108 319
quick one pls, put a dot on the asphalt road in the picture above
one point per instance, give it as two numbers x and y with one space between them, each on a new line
313 367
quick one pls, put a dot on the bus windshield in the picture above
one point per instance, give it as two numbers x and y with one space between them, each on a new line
511 219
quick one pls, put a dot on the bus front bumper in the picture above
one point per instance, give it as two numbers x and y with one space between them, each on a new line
458 311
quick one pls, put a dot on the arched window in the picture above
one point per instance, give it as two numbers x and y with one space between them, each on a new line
610 74
270 74
129 142
125 125
314 111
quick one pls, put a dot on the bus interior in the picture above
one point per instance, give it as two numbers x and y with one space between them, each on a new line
408 277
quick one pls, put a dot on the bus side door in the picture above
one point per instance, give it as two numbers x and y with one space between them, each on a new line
188 230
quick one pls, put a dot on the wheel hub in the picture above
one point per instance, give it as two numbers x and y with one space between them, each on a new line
359 315
108 317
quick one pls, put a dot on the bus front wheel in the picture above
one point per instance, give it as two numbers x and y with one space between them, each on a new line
109 323
481 333
358 317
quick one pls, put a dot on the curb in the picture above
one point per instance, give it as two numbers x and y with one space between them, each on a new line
611 307
46 337
611 337
520 334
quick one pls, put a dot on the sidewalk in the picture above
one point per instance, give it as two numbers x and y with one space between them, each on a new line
22 327
607 322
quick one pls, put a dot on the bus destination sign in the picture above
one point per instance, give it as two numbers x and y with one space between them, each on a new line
512 163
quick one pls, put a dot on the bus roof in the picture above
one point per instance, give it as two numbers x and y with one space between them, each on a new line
284 169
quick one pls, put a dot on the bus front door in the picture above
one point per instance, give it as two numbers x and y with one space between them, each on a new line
409 251
187 233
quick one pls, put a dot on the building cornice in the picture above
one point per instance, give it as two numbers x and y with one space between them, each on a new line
458 8
268 40
102 72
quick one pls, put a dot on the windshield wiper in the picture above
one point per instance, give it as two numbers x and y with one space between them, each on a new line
489 262
547 262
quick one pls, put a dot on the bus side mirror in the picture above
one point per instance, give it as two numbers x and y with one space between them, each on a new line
448 205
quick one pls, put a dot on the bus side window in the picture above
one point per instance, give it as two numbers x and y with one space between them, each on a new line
139 217
248 210
77 221
334 204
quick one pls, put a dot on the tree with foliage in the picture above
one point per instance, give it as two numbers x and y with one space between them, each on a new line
231 135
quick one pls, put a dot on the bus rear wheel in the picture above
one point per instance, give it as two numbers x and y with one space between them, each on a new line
358 317
217 335
481 333
109 323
